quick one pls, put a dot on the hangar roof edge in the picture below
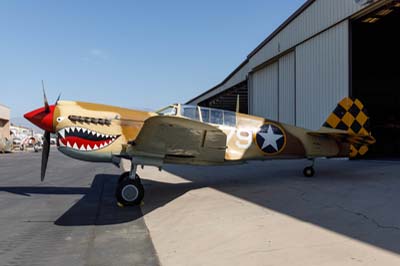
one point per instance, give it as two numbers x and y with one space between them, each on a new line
221 83
261 45
281 27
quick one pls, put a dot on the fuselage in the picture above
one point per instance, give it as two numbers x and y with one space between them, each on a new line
97 132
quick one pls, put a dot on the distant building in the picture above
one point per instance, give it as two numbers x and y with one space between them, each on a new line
4 121
21 132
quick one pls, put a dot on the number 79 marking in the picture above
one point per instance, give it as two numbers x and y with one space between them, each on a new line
244 136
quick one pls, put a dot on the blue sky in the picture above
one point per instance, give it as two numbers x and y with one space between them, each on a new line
136 54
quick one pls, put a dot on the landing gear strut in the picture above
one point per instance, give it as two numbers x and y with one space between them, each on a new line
130 191
309 170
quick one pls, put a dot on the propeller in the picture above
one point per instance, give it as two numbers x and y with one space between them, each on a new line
46 139
58 98
46 103
43 118
45 154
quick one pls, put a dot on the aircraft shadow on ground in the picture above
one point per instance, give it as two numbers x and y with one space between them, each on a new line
350 205
28 191
96 207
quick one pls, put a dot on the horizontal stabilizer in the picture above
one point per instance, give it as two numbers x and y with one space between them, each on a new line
343 136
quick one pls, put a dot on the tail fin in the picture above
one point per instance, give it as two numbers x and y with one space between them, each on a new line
351 115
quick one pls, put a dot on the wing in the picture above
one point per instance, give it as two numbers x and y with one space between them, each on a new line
176 139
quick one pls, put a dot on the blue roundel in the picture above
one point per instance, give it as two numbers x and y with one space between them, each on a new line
271 139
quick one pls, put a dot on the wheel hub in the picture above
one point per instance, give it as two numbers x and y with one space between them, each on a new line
130 193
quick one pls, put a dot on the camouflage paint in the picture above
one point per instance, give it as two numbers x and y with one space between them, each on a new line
253 138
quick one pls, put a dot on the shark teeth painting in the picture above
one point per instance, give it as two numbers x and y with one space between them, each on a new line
83 139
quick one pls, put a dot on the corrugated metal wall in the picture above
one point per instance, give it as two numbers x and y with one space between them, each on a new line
287 89
322 75
319 16
264 92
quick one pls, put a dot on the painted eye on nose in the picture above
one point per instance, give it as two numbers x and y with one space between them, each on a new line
59 119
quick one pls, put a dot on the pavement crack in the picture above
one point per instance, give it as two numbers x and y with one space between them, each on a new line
303 197
370 219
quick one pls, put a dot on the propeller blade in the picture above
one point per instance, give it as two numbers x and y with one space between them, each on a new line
58 98
46 103
45 154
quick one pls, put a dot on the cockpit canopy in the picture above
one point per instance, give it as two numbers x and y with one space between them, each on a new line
200 113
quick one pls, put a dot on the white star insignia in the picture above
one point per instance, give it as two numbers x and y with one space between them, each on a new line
270 138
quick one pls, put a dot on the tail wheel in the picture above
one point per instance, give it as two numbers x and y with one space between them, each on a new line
130 192
309 171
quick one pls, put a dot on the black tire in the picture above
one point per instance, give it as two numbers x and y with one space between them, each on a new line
124 175
308 171
130 192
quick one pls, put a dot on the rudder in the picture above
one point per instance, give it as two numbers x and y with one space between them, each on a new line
352 116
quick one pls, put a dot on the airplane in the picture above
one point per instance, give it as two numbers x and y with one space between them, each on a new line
195 135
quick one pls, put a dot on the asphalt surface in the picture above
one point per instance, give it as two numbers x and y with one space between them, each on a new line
70 219
260 213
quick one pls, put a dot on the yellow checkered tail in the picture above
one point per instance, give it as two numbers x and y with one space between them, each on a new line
351 115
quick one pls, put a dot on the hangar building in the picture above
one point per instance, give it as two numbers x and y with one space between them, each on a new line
4 122
326 50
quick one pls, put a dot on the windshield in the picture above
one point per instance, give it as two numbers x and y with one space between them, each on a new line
169 110
191 112
200 113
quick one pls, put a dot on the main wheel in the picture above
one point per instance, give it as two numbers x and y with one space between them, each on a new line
130 192
308 171
124 175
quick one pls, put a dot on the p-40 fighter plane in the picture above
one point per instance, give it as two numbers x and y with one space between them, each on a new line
183 134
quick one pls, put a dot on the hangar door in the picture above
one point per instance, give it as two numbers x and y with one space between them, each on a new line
322 75
287 89
376 75
273 90
264 92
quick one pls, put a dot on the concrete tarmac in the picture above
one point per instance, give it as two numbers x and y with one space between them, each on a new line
70 219
267 213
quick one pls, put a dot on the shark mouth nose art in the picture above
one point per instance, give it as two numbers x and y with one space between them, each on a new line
83 139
